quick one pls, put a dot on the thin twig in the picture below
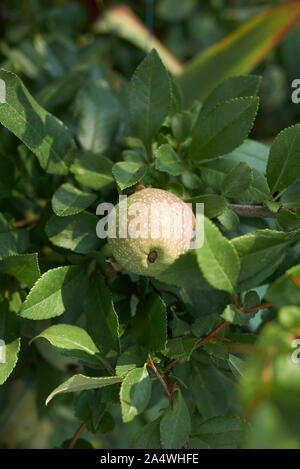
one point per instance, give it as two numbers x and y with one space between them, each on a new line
211 334
201 342
107 367
76 436
221 326
236 302
170 387
224 339
24 223
263 305
255 211
159 377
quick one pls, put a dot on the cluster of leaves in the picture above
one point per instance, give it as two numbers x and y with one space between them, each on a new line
165 355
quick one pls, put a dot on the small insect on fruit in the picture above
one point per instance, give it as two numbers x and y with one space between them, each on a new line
152 228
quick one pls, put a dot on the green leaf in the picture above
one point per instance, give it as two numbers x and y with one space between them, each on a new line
56 291
12 241
176 104
130 359
149 97
102 319
175 425
176 188
207 301
229 220
237 180
179 326
252 152
180 348
290 198
223 129
287 221
107 424
181 125
192 181
24 267
209 391
167 160
149 326
74 342
205 324
99 114
9 334
75 232
214 172
90 408
128 173
285 290
195 443
260 253
217 259
148 436
272 205
214 205
238 53
82 383
232 87
283 167
257 193
236 365
135 393
136 154
234 316
93 171
217 350
60 92
251 299
184 272
68 200
221 432
43 133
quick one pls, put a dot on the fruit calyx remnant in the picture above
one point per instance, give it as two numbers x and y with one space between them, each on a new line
152 256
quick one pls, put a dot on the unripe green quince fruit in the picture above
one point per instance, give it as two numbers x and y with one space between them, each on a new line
149 253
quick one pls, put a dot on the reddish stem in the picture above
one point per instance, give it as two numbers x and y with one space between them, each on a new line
76 436
221 326
159 377
263 305
24 223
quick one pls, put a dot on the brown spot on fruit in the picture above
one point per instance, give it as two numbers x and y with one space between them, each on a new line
152 256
